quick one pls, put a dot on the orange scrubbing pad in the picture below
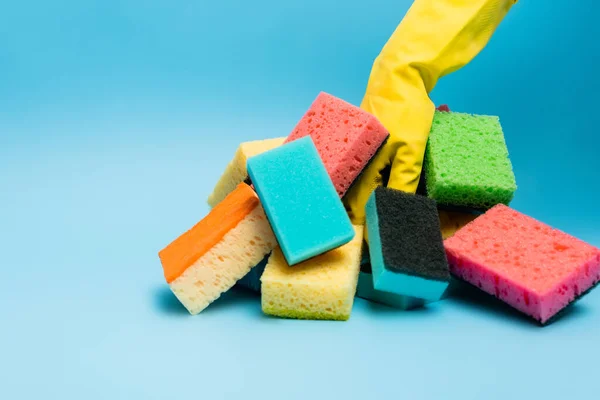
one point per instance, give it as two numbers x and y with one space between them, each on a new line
212 256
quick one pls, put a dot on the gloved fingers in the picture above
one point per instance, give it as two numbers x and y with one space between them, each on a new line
406 169
410 113
413 120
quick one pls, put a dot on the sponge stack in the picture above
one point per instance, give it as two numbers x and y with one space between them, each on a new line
320 288
278 226
214 254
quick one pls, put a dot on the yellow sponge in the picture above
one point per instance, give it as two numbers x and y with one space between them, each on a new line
452 221
322 287
236 173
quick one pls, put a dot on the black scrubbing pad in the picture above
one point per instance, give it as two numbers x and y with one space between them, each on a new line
410 234
406 241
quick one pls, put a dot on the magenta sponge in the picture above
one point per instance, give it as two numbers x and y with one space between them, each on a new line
534 268
346 137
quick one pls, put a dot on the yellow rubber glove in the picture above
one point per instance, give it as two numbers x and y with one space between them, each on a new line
435 38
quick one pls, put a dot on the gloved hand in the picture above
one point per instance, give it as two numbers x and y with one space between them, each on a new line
435 38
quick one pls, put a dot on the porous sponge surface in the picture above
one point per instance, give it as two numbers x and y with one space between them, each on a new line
235 172
182 252
467 162
224 264
531 266
346 137
306 213
320 288
252 279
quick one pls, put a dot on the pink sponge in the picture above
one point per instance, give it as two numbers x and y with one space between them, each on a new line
346 137
534 268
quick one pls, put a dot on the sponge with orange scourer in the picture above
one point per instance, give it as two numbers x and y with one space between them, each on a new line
236 172
214 254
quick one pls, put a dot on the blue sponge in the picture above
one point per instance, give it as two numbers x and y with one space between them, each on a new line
365 289
252 279
405 245
300 201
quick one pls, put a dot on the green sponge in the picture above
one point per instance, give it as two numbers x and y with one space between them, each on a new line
467 163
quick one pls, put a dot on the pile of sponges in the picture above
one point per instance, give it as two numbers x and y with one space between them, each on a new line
278 225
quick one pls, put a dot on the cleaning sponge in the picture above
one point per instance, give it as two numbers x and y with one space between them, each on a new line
346 137
320 288
236 173
252 279
466 161
365 290
405 244
214 254
534 268
306 214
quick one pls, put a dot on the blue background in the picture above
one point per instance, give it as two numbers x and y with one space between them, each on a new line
118 117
